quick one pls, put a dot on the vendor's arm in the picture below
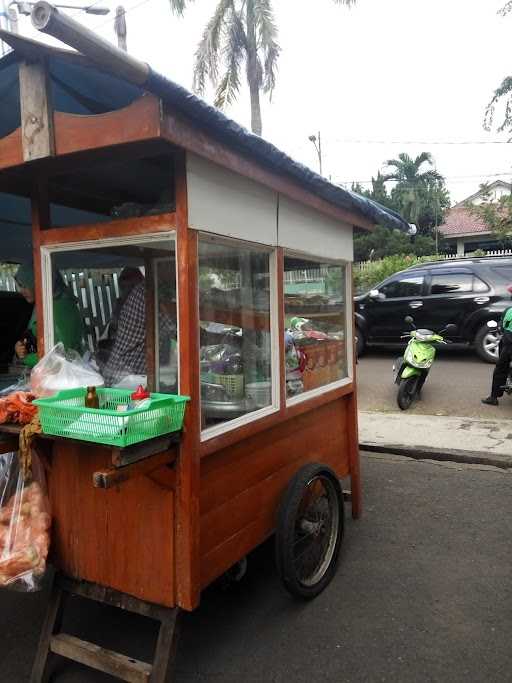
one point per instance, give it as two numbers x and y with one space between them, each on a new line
28 359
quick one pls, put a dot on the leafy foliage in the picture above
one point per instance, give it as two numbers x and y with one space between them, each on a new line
506 8
502 94
419 195
383 242
497 215
178 6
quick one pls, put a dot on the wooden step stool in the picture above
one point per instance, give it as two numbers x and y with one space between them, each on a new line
54 642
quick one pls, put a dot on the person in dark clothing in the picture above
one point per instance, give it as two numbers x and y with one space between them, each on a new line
500 374
128 278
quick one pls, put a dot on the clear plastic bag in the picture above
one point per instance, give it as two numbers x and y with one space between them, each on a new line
24 524
130 381
21 384
60 369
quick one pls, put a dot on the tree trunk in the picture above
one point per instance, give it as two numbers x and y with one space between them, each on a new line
252 70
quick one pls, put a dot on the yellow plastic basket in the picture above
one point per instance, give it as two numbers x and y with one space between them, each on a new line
234 384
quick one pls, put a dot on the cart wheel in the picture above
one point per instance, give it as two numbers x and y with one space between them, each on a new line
309 531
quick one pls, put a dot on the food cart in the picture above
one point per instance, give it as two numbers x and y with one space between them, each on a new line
103 164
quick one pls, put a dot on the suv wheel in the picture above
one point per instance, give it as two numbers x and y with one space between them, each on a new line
487 344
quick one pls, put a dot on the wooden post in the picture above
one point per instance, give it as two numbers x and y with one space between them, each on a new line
38 139
281 329
188 465
353 432
40 221
152 344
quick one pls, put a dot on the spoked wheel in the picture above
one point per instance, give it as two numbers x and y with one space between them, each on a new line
407 392
310 531
487 344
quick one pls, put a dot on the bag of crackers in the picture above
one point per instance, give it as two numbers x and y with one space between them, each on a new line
24 523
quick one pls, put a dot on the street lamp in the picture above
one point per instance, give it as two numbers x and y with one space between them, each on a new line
26 7
318 147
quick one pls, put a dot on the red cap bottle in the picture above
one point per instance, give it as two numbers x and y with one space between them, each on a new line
140 394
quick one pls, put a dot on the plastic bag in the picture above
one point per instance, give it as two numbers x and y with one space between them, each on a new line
22 384
24 524
130 382
60 369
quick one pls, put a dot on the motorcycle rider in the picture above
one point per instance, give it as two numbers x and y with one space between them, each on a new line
500 374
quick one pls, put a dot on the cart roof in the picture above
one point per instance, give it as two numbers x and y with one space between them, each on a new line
80 87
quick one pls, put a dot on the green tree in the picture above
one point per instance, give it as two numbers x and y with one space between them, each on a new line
239 32
502 94
420 194
497 215
384 242
378 192
411 181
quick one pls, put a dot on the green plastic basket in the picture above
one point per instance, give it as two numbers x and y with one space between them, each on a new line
65 415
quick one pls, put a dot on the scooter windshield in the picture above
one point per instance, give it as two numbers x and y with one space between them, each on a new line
424 335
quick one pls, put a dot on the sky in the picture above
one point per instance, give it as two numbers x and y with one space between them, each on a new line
380 78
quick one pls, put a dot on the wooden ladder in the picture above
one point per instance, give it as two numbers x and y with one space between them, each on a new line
54 642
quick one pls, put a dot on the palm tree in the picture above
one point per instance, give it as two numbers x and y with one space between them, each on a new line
412 183
240 31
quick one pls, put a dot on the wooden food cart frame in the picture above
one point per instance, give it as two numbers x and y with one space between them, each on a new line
208 497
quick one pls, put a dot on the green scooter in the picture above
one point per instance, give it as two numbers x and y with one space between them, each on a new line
411 370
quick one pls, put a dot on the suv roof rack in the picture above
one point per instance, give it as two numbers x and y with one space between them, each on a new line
463 259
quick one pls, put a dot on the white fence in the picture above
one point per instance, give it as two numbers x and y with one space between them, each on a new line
365 265
503 252
305 275
7 283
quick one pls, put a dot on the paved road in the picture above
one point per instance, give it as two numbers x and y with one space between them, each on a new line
422 594
457 382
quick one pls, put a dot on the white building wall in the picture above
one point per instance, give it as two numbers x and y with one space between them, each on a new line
303 229
495 194
228 204
225 203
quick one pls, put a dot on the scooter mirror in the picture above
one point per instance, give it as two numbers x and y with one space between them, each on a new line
492 324
409 320
450 329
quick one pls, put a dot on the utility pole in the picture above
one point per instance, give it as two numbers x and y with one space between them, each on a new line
4 23
13 20
120 28
436 199
317 141
10 11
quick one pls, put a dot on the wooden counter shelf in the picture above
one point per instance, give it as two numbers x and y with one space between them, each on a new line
238 317
141 459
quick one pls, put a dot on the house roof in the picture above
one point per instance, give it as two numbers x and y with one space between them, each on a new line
476 195
459 222
79 85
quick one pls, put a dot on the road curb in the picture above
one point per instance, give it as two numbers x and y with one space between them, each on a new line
446 455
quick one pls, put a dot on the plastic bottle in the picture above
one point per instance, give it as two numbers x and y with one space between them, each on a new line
140 398
91 398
